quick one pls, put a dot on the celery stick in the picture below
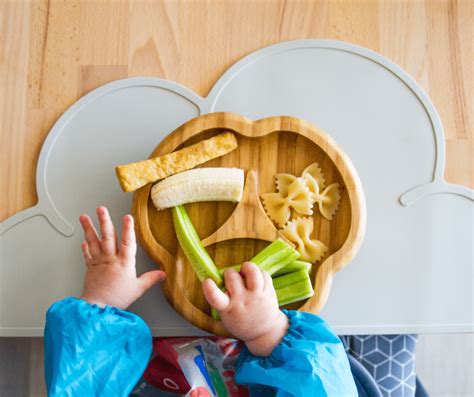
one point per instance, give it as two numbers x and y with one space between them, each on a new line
192 247
223 269
294 293
271 259
275 256
290 278
293 287
215 314
293 267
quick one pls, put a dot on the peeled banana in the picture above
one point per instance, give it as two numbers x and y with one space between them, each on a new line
200 184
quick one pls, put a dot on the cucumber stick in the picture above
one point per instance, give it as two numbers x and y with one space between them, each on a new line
192 247
293 287
275 256
215 314
293 267
272 258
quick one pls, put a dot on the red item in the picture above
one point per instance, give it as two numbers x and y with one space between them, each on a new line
163 370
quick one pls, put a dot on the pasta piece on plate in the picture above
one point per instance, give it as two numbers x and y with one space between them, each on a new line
315 171
328 200
283 181
299 232
298 198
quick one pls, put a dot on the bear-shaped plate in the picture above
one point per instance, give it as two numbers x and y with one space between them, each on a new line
234 233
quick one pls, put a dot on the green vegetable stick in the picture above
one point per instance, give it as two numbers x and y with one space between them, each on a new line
215 314
290 278
275 256
293 287
294 293
192 247
223 269
293 267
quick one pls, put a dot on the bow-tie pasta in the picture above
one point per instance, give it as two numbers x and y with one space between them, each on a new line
285 180
328 200
299 232
297 197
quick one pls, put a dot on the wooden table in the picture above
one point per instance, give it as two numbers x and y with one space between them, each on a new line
53 52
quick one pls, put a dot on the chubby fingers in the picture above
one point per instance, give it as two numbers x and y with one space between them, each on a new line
128 244
234 283
86 253
107 232
214 296
267 281
90 235
253 276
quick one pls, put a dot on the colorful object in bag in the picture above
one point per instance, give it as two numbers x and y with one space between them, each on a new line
221 357
203 367
191 361
164 371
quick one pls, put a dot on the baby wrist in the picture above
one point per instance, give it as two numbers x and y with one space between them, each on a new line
264 344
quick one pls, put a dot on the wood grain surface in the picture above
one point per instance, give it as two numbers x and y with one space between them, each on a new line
265 148
53 52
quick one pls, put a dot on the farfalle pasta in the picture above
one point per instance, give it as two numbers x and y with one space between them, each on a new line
299 232
297 197
285 180
327 198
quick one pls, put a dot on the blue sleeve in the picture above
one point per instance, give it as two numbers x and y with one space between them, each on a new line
309 361
91 351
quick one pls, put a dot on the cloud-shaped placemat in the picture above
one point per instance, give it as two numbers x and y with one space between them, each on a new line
414 271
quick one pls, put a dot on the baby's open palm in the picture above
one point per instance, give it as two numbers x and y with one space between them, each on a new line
111 276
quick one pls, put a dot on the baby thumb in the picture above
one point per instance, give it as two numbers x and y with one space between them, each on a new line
149 279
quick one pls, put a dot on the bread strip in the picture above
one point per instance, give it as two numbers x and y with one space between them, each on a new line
135 175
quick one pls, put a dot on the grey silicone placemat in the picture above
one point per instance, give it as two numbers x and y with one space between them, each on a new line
414 271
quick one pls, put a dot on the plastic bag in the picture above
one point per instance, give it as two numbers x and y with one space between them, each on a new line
221 357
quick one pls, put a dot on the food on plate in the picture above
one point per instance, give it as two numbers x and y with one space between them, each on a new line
289 268
272 258
275 256
135 175
298 197
293 267
328 198
293 287
200 184
285 180
192 247
299 232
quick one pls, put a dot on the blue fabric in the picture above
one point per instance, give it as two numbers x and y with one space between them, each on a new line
390 360
90 351
310 361
366 385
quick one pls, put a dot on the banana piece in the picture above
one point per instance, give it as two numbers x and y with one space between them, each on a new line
200 184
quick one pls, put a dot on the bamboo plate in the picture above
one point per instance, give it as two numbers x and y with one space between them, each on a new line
233 233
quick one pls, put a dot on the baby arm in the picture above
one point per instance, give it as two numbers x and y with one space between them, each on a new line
92 345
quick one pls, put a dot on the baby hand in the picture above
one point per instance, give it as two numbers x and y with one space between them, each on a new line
249 309
111 277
